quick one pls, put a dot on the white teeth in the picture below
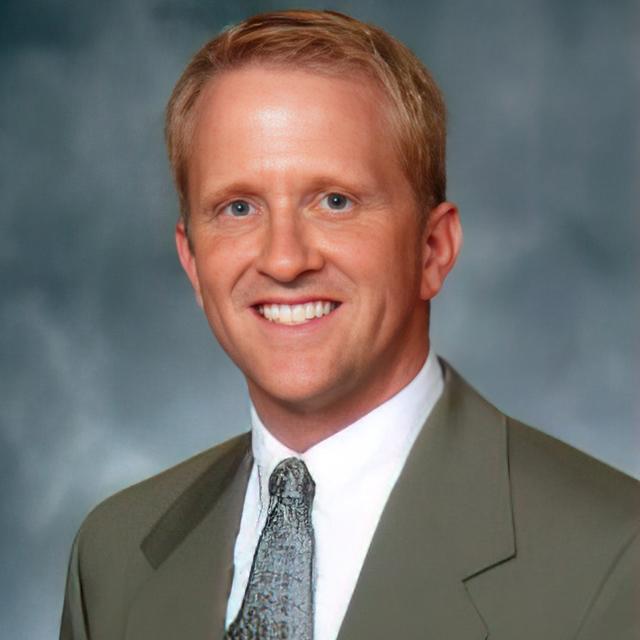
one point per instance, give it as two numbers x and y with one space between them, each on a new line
285 313
296 313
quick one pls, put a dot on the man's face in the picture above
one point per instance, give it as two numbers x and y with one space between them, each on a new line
308 250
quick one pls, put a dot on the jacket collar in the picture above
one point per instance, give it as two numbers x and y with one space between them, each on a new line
447 520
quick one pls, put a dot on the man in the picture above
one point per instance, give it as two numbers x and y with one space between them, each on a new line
378 495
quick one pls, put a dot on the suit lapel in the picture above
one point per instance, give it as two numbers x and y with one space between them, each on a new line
448 518
191 549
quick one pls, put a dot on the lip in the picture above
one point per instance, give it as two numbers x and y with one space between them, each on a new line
293 301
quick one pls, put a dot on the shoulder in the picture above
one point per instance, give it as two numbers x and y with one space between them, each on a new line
575 523
550 475
123 519
108 563
574 518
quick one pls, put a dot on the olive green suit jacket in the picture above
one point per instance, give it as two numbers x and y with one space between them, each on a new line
493 530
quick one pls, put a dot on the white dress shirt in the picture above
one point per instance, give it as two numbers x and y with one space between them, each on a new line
354 471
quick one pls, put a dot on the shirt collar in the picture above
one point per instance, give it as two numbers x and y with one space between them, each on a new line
384 434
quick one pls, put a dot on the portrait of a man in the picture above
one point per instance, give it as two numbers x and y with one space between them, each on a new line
377 494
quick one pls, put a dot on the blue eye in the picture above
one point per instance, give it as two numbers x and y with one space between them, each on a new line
238 209
337 202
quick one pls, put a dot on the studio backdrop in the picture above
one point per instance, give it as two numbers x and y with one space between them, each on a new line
108 371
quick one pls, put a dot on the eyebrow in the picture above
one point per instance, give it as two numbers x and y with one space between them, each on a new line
227 191
320 182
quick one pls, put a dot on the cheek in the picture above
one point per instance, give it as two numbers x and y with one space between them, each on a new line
392 261
220 263
399 276
210 276
215 293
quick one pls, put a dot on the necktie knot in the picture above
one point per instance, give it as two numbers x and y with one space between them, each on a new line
291 483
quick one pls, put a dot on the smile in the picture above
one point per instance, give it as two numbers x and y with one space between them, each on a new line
296 313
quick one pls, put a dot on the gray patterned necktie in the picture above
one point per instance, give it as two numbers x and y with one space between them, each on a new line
278 602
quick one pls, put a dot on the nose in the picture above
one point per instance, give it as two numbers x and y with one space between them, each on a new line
288 247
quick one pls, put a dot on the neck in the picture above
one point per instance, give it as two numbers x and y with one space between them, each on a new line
301 425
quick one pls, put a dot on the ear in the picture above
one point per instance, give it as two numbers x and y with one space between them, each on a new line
188 259
441 244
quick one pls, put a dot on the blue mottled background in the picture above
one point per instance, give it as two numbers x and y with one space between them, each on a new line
108 372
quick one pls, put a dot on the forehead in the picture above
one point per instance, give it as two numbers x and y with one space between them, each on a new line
257 116
289 81
231 95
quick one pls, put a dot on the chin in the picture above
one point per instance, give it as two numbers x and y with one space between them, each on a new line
299 392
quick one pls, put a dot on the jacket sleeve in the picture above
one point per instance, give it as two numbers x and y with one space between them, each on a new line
73 625
615 612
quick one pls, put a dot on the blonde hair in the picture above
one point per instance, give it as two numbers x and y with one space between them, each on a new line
334 44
